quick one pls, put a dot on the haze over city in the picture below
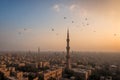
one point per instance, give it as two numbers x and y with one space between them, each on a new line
59 39
28 24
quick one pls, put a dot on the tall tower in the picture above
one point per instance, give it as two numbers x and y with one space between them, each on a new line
38 50
68 66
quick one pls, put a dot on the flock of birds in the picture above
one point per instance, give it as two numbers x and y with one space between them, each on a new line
83 24
53 30
25 29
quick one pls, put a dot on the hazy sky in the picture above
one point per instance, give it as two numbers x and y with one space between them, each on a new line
28 24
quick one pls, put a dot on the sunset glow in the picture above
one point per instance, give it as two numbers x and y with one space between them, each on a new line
27 24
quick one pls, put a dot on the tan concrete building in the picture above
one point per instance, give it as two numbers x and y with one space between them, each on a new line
43 64
21 64
33 65
6 73
54 73
11 69
35 78
81 73
18 75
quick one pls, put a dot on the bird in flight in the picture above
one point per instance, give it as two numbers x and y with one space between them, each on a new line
87 24
19 33
65 17
25 29
86 19
52 29
72 21
115 34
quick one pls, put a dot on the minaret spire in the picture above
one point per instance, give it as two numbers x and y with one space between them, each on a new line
38 50
68 66
68 33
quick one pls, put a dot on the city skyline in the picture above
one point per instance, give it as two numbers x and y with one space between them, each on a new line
93 24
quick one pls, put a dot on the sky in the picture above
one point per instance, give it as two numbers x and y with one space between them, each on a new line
94 25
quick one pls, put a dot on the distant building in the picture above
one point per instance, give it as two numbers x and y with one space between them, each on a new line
32 65
38 50
2 66
36 78
54 73
113 68
6 73
43 64
21 64
4 70
105 78
11 69
81 74
18 75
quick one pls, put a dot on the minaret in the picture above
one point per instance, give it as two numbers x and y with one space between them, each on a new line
38 50
68 66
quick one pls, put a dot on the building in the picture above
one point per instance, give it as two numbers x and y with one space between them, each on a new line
21 64
18 75
68 65
5 71
43 64
55 73
106 78
38 50
81 74
32 65
11 69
